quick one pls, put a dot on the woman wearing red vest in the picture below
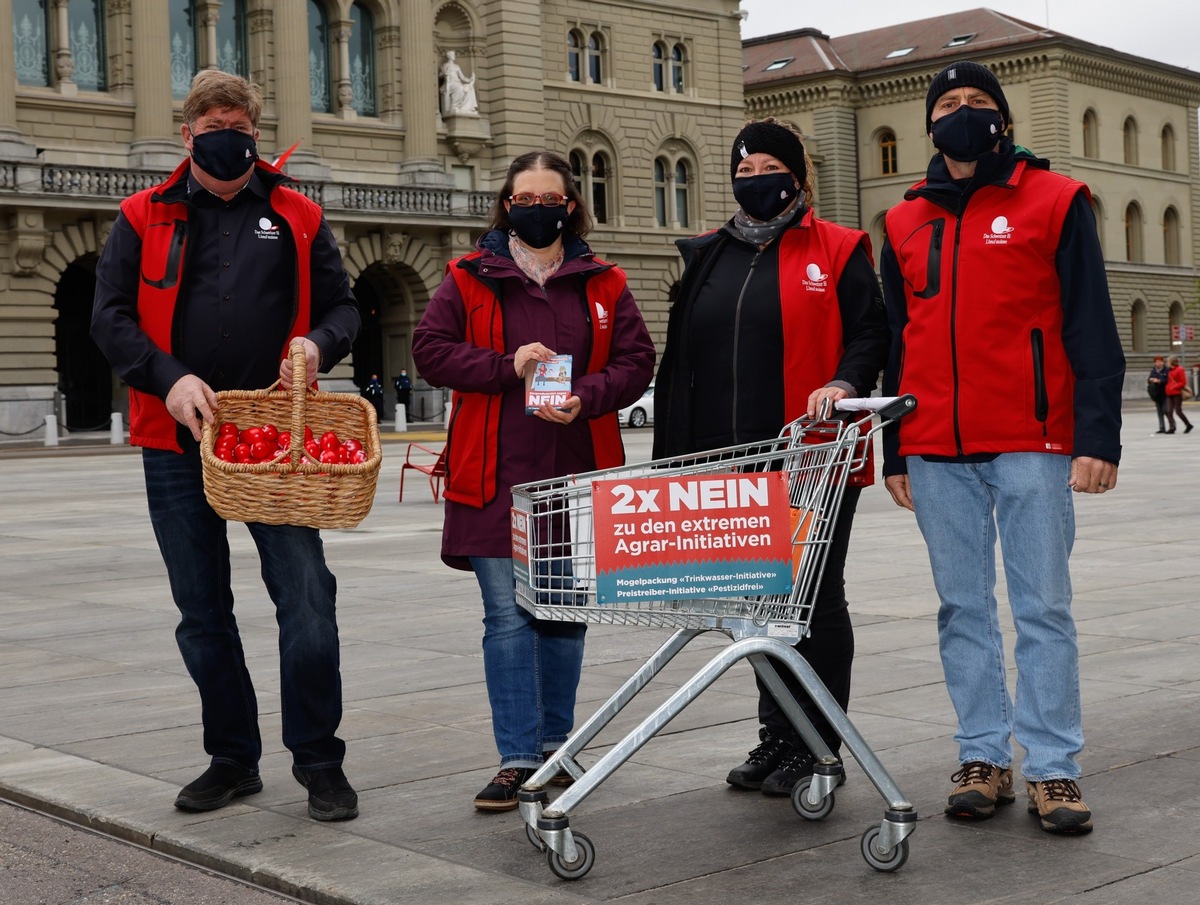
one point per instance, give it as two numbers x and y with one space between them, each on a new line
532 290
777 312
1176 381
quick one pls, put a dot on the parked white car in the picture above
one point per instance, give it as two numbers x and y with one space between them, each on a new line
641 412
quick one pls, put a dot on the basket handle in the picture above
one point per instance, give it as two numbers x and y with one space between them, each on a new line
299 391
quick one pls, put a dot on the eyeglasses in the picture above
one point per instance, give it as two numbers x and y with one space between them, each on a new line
529 199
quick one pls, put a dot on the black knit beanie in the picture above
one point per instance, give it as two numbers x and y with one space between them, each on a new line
965 74
768 138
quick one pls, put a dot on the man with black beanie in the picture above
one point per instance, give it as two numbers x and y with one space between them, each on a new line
1003 329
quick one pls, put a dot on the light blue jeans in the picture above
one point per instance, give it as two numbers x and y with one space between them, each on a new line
532 668
1023 499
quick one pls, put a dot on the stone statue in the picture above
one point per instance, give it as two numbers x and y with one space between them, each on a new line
458 90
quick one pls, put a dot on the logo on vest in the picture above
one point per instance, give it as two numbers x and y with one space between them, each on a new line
814 280
266 229
602 315
1000 232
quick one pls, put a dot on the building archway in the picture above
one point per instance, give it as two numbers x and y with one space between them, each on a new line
85 379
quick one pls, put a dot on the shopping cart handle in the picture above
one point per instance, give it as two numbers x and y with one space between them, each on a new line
889 408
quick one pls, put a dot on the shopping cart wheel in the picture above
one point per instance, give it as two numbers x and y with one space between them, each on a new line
806 808
893 860
534 839
573 870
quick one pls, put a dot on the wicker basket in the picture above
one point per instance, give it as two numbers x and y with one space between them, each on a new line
295 489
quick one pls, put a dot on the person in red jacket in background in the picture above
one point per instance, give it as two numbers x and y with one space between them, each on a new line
1003 329
532 289
253 267
778 312
1176 382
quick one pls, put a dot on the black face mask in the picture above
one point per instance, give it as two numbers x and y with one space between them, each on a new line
538 226
968 133
767 196
224 154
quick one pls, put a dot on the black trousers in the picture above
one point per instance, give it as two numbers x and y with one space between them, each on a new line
829 649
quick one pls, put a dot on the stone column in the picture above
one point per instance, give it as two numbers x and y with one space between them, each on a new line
64 63
156 141
421 164
293 97
345 92
13 145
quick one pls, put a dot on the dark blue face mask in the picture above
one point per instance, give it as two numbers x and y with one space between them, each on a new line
224 154
767 196
538 226
968 133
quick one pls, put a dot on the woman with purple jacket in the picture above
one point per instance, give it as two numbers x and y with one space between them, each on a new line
531 290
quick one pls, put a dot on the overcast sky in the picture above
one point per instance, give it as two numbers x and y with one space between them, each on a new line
1164 30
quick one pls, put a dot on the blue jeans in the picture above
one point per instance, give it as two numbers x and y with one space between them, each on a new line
1023 499
532 669
195 548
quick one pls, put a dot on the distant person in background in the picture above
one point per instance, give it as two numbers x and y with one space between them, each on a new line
404 387
1156 386
1176 388
373 391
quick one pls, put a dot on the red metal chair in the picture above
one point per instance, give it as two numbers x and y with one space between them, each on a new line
429 461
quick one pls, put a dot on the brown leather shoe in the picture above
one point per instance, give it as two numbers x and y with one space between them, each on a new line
981 786
1059 806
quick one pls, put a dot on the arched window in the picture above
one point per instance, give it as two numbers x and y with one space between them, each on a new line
678 62
593 179
1131 141
1091 135
1137 325
231 39
184 51
887 153
575 55
362 59
1168 148
1133 233
660 191
595 58
318 58
1171 236
658 64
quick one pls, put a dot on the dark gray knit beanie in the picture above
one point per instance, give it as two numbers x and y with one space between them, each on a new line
768 138
965 74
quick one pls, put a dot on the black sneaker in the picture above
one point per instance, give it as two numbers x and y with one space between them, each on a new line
797 765
330 796
761 762
501 793
216 787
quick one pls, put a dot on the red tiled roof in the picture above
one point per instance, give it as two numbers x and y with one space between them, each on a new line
812 52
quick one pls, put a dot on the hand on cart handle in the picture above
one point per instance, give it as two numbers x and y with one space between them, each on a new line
889 408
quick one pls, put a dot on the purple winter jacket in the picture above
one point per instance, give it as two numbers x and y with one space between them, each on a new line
529 448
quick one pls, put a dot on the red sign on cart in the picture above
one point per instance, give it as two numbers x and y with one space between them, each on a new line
692 536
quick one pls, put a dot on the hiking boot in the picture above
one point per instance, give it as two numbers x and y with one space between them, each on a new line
330 796
501 793
981 786
798 764
1059 806
216 787
761 762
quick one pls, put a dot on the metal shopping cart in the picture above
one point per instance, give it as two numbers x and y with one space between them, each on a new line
636 545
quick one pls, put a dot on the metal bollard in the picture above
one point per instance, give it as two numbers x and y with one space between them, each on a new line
401 418
51 430
116 430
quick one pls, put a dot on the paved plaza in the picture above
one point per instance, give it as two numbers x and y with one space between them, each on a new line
99 722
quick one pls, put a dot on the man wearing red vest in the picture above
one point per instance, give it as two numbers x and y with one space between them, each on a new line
204 282
1003 329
